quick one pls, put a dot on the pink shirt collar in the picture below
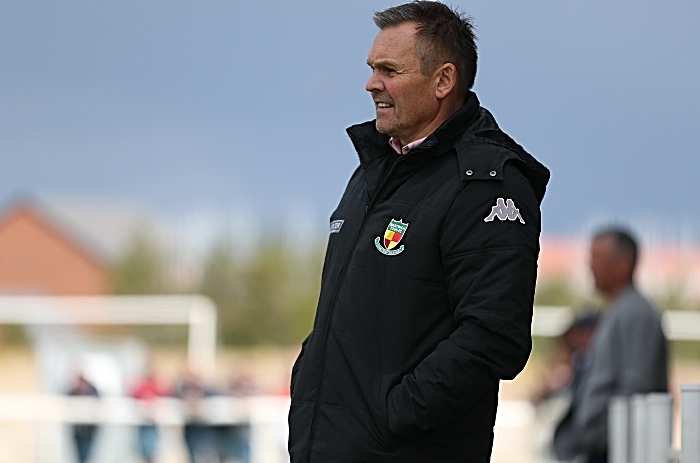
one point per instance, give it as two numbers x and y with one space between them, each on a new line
396 144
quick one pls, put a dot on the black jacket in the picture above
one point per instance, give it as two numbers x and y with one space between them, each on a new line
411 339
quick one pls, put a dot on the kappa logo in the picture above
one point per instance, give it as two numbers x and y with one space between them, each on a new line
505 210
392 236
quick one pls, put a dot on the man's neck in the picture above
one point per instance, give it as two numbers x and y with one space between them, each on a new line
614 293
447 109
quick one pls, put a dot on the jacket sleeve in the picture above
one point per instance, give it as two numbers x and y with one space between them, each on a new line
489 262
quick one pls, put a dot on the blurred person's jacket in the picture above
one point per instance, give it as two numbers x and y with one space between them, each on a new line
628 355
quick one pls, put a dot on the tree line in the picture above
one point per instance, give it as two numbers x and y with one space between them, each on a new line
266 297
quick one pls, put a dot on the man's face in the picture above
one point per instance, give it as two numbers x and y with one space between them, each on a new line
606 266
404 98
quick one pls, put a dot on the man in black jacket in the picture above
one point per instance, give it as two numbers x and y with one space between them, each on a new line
428 282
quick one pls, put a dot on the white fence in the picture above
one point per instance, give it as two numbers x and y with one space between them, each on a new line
679 325
52 415
641 427
642 432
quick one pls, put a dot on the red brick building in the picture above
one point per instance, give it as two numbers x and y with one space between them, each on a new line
61 247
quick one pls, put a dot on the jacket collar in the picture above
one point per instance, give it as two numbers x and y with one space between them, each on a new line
470 124
454 127
371 144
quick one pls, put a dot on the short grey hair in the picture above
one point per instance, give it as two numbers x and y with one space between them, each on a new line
444 35
624 242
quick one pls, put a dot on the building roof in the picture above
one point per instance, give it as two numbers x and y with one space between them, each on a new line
102 228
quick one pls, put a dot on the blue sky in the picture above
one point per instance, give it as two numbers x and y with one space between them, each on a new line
211 105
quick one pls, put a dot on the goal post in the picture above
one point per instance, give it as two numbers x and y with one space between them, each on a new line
196 311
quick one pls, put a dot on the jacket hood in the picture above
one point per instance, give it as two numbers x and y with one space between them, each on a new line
485 130
470 124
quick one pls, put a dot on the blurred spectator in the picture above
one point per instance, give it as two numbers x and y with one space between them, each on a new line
628 353
569 357
200 438
147 391
234 440
83 434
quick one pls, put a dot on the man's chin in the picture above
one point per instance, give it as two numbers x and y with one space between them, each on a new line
385 129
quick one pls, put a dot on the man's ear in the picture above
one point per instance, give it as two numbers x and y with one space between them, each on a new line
445 80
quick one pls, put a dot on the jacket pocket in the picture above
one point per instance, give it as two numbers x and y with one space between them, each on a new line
295 392
384 383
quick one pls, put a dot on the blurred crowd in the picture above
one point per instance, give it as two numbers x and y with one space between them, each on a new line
205 441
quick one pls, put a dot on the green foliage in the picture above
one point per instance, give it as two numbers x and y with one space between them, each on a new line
268 299
686 350
141 269
672 298
13 335
556 292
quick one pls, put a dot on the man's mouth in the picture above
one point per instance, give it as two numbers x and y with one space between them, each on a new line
383 105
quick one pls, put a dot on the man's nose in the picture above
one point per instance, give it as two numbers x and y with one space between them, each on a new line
374 84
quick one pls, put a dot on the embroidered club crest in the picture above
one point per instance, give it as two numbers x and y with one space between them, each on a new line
392 236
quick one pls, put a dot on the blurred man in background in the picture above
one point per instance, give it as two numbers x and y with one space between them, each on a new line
568 358
628 354
83 433
147 391
200 438
233 440
428 283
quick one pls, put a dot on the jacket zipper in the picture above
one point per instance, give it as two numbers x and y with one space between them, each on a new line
319 387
